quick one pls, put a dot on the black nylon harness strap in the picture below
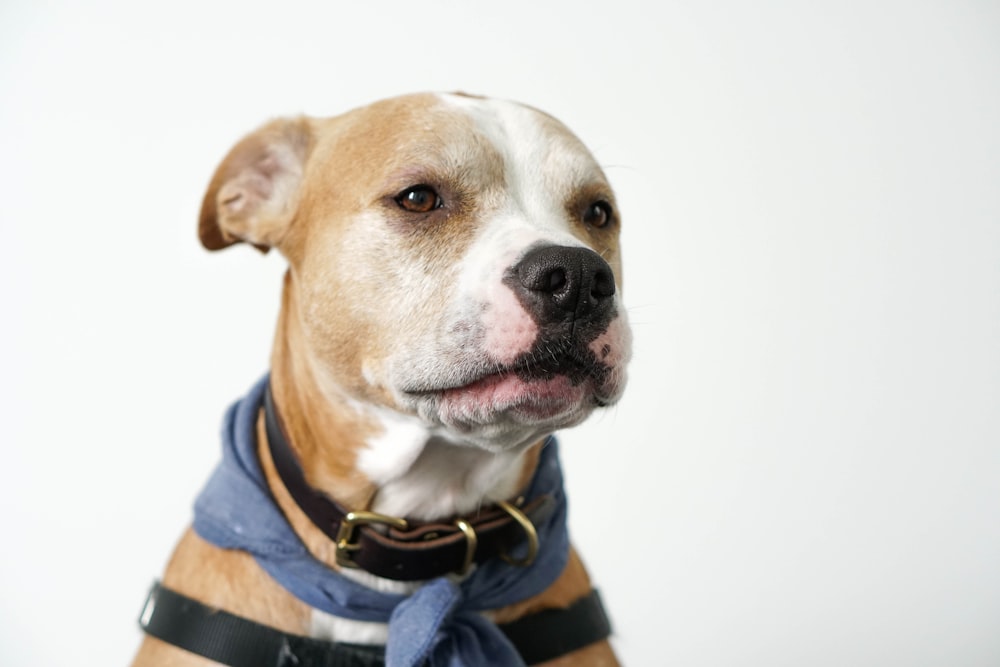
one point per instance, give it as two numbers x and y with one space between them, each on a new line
239 642
551 633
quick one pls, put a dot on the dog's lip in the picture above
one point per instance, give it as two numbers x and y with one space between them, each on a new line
528 370
539 398
558 392
482 380
467 381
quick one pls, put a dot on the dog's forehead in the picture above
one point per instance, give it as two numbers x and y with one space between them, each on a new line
532 140
456 134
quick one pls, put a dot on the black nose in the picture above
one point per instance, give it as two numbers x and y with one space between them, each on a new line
564 283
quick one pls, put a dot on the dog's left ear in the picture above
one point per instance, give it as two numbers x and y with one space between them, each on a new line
255 191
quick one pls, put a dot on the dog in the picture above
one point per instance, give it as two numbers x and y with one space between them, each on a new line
452 298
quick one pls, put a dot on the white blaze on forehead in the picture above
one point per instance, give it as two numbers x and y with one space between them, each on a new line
544 163
542 166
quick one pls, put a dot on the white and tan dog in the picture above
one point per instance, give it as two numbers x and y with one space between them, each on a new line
451 300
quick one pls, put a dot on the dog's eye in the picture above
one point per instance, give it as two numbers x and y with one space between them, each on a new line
419 199
597 214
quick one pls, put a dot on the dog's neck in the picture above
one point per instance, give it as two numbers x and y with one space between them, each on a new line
373 458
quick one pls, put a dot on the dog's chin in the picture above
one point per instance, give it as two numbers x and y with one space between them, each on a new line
503 411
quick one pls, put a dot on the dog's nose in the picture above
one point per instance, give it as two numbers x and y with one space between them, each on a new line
575 280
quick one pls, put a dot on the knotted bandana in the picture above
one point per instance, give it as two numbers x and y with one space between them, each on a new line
438 625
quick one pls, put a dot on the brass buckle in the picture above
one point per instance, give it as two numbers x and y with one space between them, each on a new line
529 531
471 541
346 532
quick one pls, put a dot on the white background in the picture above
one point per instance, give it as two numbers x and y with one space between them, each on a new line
806 467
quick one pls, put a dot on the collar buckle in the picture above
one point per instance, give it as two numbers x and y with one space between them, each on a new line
345 534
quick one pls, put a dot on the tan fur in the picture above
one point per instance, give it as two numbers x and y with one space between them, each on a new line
296 185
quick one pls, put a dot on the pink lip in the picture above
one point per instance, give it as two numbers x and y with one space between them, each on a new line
505 391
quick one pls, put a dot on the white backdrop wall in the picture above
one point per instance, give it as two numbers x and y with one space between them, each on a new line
806 467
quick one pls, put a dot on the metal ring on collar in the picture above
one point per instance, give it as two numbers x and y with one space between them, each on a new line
471 542
529 531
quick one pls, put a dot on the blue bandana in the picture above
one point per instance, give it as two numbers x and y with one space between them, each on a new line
440 624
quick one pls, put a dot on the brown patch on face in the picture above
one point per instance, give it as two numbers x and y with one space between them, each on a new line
376 275
366 275
326 439
602 240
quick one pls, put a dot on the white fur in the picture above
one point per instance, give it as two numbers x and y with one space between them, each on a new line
423 475
333 628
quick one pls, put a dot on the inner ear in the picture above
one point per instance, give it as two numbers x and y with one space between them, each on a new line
255 190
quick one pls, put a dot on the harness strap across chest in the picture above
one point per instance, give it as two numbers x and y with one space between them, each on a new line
239 642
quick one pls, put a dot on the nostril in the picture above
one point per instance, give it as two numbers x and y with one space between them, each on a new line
541 273
557 278
603 285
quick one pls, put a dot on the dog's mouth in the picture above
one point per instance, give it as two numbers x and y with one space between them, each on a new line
554 383
551 363
546 362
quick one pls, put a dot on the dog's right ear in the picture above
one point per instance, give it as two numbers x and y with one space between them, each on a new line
255 191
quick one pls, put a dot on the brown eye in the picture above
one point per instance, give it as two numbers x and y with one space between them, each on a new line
597 214
419 199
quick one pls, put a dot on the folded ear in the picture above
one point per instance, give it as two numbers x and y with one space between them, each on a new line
255 191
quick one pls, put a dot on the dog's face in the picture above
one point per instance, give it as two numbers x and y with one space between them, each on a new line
451 258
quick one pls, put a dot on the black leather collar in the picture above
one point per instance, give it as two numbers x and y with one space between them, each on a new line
402 549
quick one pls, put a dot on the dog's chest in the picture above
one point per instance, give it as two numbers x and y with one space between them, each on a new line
334 628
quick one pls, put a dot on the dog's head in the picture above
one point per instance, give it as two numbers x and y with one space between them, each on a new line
451 257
